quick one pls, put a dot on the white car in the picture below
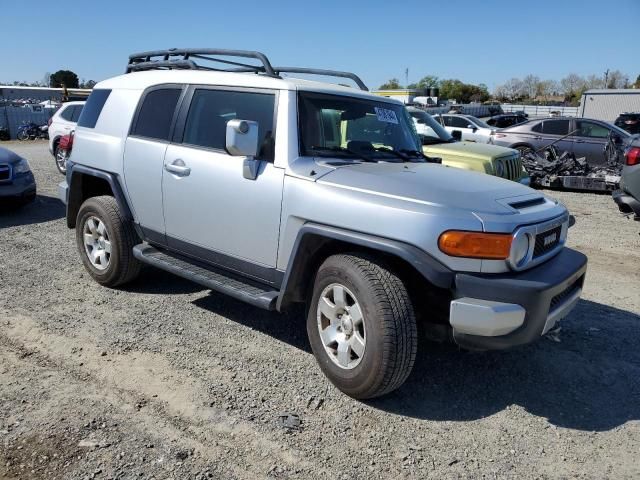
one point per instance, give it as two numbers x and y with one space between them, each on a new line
472 129
63 123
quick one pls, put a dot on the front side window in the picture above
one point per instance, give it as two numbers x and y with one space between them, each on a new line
591 130
457 122
210 110
479 123
156 114
431 132
342 126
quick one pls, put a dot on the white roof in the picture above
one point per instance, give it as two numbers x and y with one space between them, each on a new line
145 79
612 91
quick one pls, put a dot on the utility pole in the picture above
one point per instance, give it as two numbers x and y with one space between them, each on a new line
606 77
406 77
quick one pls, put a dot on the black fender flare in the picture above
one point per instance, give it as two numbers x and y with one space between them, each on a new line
311 235
75 195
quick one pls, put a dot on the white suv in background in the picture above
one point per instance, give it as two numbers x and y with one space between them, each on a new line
471 128
63 123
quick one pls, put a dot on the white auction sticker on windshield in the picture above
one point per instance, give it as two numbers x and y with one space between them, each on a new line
386 115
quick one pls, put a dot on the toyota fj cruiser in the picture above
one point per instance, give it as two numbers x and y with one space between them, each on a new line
237 177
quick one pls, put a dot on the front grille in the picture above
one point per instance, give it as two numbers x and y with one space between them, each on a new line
567 292
512 167
5 173
547 241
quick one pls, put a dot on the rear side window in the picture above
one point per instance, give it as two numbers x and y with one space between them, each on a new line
555 127
156 114
93 107
210 110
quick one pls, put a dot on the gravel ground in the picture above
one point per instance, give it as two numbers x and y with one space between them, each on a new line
166 380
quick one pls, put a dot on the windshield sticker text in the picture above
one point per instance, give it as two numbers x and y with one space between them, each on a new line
386 115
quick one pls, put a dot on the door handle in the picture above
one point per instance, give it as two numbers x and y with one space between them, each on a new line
178 167
579 141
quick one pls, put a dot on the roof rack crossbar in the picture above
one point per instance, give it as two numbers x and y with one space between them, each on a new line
330 73
185 53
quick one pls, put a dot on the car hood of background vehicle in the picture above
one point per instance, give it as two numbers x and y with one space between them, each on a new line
430 184
7 156
480 151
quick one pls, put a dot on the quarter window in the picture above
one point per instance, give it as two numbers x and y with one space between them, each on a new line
93 108
156 114
77 110
67 113
210 110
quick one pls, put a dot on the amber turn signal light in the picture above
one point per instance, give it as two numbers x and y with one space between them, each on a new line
493 246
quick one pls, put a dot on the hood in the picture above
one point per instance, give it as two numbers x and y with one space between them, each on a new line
432 184
7 156
479 151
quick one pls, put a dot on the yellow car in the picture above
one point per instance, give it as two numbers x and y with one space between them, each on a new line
491 159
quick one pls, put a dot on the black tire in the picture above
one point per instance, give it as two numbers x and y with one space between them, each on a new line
122 266
389 321
22 135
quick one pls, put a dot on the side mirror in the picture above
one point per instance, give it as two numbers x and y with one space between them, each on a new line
472 127
242 141
457 134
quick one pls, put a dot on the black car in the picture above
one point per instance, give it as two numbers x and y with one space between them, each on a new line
507 120
17 185
629 122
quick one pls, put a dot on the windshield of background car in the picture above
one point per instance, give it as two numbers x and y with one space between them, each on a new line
478 122
331 125
428 127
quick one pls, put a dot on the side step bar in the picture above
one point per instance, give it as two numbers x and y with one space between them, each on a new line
207 276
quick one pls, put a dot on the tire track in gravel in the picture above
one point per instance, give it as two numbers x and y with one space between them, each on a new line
173 400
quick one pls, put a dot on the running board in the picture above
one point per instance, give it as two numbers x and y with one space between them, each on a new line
210 277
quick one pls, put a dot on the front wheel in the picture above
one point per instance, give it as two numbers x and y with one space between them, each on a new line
105 241
525 150
23 134
361 326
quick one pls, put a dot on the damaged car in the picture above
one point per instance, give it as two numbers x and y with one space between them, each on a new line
576 153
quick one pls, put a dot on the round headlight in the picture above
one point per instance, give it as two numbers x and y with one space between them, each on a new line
499 169
519 248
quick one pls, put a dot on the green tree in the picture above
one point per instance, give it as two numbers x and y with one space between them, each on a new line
428 81
637 84
393 84
463 92
66 78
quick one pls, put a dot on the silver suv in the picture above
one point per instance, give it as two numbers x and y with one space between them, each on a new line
279 191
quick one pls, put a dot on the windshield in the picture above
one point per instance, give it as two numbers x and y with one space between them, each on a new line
478 122
430 131
341 126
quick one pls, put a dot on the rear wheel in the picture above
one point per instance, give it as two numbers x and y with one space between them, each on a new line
361 326
105 241
61 159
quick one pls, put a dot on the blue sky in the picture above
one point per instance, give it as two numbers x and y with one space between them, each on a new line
473 40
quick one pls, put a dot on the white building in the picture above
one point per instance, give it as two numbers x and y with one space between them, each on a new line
607 104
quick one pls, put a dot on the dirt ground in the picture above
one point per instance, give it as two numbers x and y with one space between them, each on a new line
166 380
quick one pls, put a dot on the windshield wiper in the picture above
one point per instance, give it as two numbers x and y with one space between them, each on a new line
395 153
360 155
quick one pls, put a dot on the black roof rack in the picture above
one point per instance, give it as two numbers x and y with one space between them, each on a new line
185 58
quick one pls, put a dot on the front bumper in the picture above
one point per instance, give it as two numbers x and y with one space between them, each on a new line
626 203
498 311
21 187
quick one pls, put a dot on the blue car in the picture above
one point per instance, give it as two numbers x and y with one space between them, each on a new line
17 184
